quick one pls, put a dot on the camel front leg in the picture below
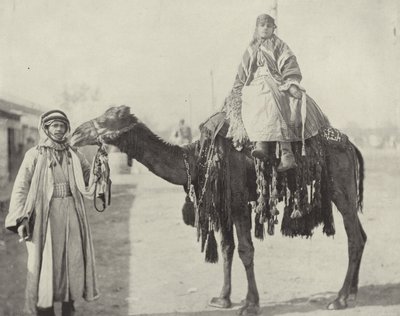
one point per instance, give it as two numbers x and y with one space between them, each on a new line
246 254
227 249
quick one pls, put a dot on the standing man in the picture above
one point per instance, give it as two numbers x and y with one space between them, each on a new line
48 213
183 133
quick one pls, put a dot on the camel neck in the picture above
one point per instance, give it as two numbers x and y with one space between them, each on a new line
163 159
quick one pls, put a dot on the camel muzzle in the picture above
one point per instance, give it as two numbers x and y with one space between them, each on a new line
83 135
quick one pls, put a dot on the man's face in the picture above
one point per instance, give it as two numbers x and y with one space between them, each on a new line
265 30
57 130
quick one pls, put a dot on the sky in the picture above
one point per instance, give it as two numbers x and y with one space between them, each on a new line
157 55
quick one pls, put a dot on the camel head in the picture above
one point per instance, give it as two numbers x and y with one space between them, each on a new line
107 126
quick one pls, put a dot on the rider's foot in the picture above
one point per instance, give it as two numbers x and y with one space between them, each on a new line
260 150
287 158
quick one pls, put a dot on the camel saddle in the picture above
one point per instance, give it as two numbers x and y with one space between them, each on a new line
218 124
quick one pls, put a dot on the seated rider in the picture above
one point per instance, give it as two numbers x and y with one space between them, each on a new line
266 98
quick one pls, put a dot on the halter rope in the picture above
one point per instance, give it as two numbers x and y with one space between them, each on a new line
101 170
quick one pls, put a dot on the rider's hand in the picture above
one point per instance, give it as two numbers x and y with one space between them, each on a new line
295 92
23 230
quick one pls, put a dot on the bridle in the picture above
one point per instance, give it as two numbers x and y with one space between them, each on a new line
101 167
101 170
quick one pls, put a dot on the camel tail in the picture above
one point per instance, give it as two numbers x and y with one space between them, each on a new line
360 174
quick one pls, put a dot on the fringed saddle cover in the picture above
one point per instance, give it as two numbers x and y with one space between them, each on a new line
304 191
212 189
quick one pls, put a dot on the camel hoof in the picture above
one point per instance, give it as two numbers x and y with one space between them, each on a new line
249 309
352 297
220 302
339 303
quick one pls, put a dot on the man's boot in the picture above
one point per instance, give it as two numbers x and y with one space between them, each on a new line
45 311
260 150
67 308
287 157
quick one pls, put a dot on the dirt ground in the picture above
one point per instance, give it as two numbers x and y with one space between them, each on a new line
294 276
111 241
149 262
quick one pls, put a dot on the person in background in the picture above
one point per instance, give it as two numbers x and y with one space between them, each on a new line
48 213
183 134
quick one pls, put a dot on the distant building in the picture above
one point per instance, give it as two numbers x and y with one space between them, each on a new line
387 137
18 133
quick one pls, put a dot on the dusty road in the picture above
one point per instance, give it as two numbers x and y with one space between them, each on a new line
150 263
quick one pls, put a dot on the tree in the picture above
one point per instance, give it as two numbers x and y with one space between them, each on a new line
78 101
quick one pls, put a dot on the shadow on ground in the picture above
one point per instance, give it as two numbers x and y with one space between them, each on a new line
370 295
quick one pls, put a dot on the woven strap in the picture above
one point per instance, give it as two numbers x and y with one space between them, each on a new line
303 122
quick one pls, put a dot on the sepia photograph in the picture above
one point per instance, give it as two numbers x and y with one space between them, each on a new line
199 158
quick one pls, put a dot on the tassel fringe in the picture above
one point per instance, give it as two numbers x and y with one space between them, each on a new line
212 248
258 227
188 212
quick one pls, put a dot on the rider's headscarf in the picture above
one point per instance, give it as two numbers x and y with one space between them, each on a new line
262 18
265 18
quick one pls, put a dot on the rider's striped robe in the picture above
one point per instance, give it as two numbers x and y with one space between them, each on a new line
269 113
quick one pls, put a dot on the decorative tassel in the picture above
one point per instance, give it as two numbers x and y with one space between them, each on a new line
203 239
286 227
261 207
188 213
296 214
258 227
211 250
329 228
271 226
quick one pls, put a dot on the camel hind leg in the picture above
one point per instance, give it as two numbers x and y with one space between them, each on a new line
345 197
354 283
356 239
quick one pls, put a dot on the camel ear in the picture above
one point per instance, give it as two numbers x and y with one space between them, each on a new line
124 110
124 115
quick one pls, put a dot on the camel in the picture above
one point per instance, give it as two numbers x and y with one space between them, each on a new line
117 126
